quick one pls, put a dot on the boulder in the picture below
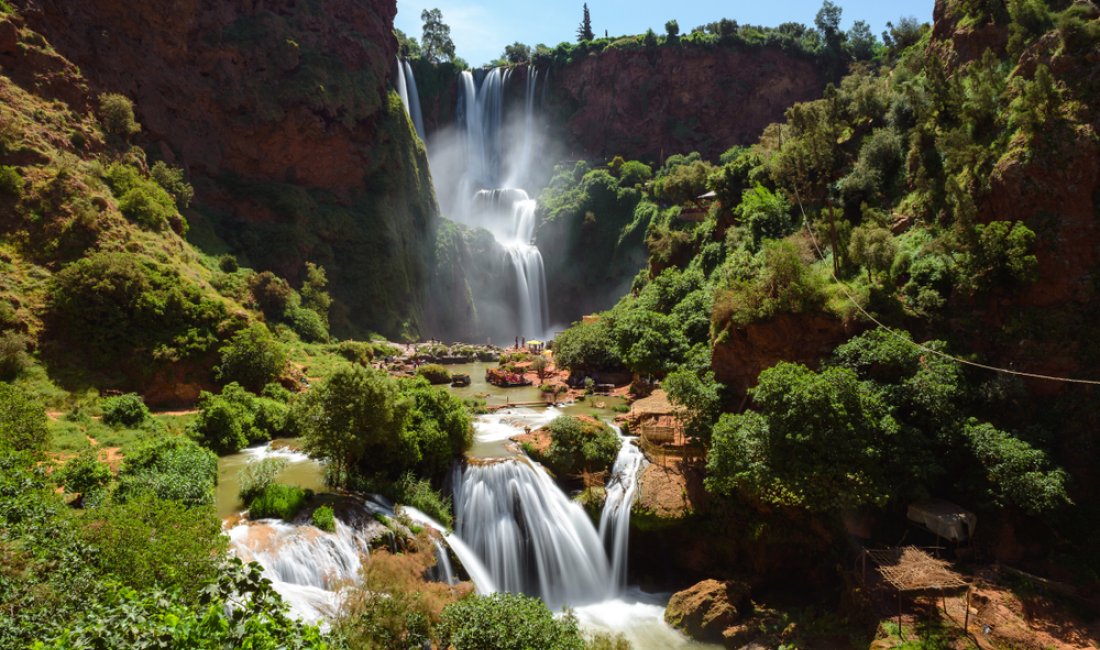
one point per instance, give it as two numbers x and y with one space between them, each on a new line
706 610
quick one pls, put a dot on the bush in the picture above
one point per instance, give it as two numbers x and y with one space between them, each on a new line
434 373
325 519
125 411
419 494
172 468
116 113
307 324
13 355
221 425
148 542
507 622
171 179
272 294
634 173
11 181
149 208
581 445
359 352
23 424
255 477
587 347
84 474
277 501
252 358
118 310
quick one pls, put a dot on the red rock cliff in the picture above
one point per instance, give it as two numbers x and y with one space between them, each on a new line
645 103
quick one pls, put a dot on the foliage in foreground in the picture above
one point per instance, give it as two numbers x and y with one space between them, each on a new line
507 622
581 445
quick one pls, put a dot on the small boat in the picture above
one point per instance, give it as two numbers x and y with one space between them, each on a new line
459 381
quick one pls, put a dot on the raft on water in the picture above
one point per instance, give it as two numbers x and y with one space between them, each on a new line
459 381
505 379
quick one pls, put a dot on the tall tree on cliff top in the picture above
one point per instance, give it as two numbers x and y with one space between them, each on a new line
584 32
436 44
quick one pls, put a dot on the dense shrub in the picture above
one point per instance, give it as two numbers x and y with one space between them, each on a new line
125 411
235 418
272 294
364 423
254 477
587 347
767 215
23 424
84 474
420 494
783 283
252 358
111 308
171 467
13 355
11 181
578 445
116 114
277 501
324 518
507 622
634 173
171 179
434 373
145 208
359 352
307 324
148 542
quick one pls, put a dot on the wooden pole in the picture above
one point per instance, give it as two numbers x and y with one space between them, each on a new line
966 619
901 631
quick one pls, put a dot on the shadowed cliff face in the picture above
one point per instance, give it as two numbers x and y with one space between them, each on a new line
652 104
280 113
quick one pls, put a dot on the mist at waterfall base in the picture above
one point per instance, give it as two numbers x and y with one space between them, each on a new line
485 167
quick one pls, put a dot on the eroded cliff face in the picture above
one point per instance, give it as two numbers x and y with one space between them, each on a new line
280 113
649 104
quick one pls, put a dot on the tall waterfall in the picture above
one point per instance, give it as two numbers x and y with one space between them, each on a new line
410 97
497 160
533 539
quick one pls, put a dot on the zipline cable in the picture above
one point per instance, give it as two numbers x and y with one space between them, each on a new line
925 348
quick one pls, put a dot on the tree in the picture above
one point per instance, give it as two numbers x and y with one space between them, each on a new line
581 445
355 418
821 441
436 43
827 22
23 425
407 47
584 32
116 113
314 294
1018 473
517 53
874 248
539 364
672 29
252 358
861 41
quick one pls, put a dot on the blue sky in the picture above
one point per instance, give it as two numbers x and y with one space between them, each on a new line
481 28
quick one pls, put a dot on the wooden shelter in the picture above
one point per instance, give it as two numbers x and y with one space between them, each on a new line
913 572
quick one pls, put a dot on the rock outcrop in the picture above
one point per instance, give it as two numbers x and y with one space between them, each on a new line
282 115
705 610
650 104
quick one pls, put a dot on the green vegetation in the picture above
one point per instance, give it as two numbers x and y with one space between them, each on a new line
279 501
324 518
252 358
170 467
235 418
22 421
420 494
580 445
256 476
365 425
125 411
434 373
507 622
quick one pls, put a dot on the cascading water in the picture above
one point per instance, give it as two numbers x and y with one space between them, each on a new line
533 539
488 194
306 566
615 518
405 81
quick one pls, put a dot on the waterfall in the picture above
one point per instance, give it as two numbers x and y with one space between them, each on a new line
306 565
615 518
445 571
494 161
530 536
410 97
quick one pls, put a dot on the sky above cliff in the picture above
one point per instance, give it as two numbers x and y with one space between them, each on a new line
481 28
